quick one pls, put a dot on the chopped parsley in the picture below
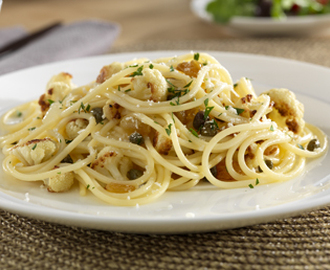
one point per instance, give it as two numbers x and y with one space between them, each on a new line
238 110
193 132
196 56
88 186
171 68
188 84
176 93
32 128
68 141
119 88
235 84
251 186
207 109
151 66
88 108
271 128
257 181
138 72
34 147
300 146
59 173
128 90
18 113
83 108
50 101
168 130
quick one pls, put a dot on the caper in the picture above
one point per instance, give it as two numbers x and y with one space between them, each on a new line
67 159
136 138
214 171
199 120
133 174
313 144
269 164
97 113
209 129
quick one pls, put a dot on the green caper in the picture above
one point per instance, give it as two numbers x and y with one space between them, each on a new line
313 144
199 120
269 164
214 171
67 159
209 129
133 174
136 138
97 113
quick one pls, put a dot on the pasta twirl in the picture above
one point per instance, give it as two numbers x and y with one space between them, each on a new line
146 127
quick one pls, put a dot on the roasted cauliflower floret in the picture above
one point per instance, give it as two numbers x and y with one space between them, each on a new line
287 112
162 143
248 105
107 71
150 86
57 88
35 151
74 127
60 182
108 162
112 110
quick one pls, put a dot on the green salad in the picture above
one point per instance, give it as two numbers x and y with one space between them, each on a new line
223 10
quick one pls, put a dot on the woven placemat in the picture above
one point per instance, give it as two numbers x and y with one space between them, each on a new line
294 243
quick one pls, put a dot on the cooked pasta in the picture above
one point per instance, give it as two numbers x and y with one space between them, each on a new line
146 127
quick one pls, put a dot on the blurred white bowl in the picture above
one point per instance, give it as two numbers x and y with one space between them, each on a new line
294 25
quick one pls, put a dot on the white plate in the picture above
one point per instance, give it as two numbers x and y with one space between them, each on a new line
204 208
294 25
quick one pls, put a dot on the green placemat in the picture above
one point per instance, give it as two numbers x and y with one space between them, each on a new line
294 243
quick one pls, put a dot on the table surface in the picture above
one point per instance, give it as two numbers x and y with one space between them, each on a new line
301 242
140 21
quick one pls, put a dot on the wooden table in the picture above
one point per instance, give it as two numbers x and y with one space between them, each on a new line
140 21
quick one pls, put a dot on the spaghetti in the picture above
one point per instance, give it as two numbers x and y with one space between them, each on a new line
145 127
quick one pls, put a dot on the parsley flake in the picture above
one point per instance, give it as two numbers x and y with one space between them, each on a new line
251 186
32 128
207 112
18 113
50 101
188 84
168 130
193 132
138 72
271 128
34 147
151 66
300 146
206 102
257 181
171 68
196 56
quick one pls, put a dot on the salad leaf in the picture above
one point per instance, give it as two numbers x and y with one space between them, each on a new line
222 11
